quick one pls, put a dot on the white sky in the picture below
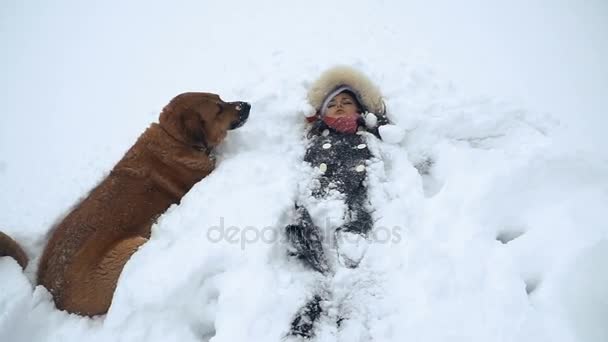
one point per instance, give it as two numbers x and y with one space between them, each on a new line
549 54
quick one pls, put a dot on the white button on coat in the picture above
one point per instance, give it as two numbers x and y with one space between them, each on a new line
325 132
323 167
360 168
361 146
326 146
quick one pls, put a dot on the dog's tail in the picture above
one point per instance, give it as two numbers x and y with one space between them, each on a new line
10 247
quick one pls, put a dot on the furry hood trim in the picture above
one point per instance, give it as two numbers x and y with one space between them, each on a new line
344 76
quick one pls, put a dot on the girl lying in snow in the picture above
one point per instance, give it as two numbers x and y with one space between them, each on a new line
349 111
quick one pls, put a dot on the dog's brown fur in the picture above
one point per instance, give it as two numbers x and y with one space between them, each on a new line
88 249
8 247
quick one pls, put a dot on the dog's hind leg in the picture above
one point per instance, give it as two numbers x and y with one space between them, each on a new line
95 289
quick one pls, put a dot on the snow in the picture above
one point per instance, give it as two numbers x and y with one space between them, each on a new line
391 134
490 191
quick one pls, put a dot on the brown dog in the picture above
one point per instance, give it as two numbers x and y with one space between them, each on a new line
90 246
9 247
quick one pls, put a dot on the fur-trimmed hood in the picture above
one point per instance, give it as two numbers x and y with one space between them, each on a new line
367 93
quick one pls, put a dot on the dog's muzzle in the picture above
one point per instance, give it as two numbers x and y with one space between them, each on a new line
243 108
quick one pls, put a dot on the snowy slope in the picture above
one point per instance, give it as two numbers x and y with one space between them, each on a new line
496 210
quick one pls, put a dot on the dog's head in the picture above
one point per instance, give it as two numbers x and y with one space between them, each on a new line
202 120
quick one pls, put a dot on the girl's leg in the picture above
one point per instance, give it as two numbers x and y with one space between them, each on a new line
306 241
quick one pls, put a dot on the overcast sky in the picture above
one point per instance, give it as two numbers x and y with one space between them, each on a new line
550 54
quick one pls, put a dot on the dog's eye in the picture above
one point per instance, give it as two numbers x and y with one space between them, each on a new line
220 109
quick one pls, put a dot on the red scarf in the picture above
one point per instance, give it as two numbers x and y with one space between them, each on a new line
343 124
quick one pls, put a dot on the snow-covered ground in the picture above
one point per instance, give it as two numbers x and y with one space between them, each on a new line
495 200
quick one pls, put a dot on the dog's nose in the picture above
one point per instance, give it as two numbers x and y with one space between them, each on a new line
243 108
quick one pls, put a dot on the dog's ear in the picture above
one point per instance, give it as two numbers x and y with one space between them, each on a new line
193 128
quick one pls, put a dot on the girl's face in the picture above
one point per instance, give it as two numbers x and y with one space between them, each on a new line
342 104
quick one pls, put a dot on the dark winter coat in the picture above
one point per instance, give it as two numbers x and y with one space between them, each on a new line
341 160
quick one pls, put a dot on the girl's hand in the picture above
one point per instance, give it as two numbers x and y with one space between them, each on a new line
391 134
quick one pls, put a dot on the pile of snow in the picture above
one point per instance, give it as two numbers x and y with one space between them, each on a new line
490 218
